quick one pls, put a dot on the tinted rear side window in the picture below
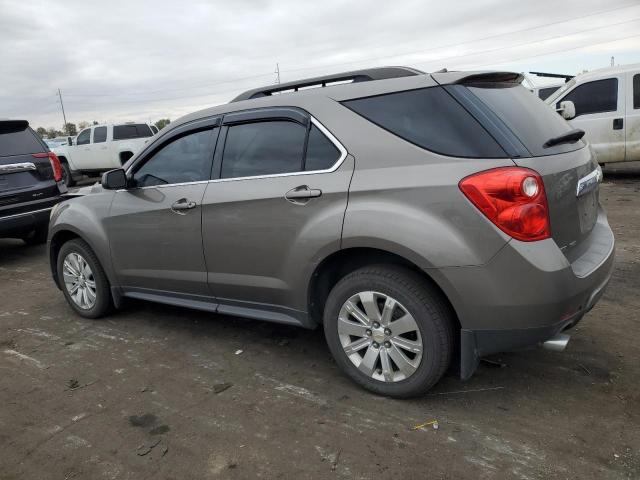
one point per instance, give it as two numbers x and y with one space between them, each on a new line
322 154
126 132
529 118
99 134
19 142
431 119
263 148
636 91
594 97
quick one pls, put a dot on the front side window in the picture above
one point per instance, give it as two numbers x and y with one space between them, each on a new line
185 159
263 148
84 137
99 134
594 97
636 91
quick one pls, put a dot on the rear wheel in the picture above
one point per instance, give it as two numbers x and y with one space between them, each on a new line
83 281
389 330
66 175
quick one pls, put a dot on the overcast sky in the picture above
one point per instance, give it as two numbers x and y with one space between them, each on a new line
140 61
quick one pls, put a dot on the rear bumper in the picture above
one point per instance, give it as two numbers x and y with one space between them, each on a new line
527 293
22 223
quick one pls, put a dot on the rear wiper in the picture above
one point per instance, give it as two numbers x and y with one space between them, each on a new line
571 136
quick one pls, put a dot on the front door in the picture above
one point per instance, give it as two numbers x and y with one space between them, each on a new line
80 151
600 107
155 226
273 211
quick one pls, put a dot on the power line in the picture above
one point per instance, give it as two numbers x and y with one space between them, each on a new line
372 59
466 42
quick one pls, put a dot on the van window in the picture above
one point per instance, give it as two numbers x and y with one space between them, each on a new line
636 91
186 159
263 148
322 154
594 97
429 118
546 92
99 134
131 130
84 137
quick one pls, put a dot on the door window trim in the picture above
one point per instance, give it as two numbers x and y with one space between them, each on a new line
322 128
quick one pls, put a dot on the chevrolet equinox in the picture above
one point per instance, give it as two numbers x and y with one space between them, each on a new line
424 220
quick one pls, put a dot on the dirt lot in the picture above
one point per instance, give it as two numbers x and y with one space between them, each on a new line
143 394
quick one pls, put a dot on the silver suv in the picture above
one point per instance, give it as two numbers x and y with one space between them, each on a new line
423 220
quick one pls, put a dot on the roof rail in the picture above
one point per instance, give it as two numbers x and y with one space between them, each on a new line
366 75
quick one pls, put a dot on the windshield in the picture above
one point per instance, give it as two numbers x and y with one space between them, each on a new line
528 117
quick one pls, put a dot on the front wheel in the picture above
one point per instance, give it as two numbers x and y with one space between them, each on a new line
389 330
83 281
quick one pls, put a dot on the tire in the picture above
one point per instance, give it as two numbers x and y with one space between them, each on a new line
66 175
414 295
102 303
37 236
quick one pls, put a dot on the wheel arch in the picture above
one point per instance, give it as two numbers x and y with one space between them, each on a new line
340 263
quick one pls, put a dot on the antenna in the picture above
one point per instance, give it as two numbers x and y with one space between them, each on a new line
277 72
63 115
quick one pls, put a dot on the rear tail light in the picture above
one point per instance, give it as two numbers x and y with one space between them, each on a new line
513 198
55 164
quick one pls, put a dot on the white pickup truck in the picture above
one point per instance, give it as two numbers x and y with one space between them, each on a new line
99 148
605 104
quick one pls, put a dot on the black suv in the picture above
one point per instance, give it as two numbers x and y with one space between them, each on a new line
30 182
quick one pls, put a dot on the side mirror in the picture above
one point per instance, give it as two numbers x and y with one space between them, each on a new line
114 179
567 110
69 141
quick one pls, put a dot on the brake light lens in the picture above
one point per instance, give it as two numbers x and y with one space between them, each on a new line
513 198
55 164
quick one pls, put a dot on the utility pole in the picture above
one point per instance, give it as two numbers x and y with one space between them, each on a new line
612 61
63 115
277 72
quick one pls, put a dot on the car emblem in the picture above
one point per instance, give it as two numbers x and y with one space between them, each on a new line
589 183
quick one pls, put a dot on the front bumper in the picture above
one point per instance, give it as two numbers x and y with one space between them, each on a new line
527 293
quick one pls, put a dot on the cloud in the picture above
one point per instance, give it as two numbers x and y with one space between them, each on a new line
123 60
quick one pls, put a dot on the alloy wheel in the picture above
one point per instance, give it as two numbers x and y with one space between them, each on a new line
380 336
79 281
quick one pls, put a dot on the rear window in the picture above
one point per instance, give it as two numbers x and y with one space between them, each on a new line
430 118
18 141
636 91
529 118
133 130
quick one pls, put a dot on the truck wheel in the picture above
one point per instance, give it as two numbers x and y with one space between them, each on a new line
66 175
389 330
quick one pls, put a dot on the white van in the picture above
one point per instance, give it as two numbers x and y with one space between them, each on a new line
605 104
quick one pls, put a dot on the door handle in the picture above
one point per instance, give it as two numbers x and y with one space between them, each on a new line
302 194
618 123
182 204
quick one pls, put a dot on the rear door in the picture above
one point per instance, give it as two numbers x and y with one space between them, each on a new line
279 199
600 112
155 226
100 147
633 117
573 212
26 174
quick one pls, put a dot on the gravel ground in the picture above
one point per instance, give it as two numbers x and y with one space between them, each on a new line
161 392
